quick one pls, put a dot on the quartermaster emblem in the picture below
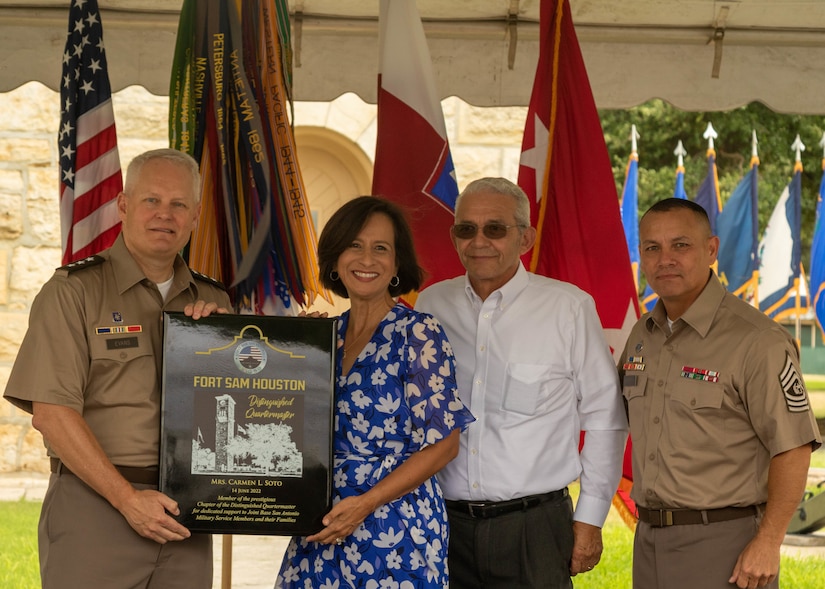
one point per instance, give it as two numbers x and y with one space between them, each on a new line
250 357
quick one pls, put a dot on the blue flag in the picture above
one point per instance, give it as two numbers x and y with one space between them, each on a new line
737 227
630 213
780 255
818 258
708 194
679 189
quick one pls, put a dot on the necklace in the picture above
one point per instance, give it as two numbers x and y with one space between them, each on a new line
355 340
368 331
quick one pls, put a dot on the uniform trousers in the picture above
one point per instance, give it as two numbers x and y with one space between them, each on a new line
691 556
85 543
527 549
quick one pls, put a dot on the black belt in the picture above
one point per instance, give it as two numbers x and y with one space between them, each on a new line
487 509
133 474
660 518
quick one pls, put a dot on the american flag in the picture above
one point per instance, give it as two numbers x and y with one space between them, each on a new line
90 178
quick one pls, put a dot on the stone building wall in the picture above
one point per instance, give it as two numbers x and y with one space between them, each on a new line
484 142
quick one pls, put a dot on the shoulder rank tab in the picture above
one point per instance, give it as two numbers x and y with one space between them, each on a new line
209 279
81 264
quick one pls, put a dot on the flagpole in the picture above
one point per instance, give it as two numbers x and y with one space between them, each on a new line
226 562
798 147
798 307
755 273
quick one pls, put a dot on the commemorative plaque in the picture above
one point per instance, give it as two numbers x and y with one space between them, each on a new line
246 422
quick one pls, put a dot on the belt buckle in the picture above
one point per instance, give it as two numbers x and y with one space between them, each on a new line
473 506
665 518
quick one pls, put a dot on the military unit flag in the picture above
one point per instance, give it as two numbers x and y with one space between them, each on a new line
630 212
708 194
565 171
818 257
679 188
413 166
782 289
90 177
738 230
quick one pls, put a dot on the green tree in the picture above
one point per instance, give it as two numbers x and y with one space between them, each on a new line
661 126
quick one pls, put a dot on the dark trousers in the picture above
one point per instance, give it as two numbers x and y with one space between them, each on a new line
86 544
528 549
687 557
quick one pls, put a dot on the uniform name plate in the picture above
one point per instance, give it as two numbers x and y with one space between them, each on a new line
246 422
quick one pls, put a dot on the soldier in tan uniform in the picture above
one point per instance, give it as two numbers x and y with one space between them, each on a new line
719 416
88 370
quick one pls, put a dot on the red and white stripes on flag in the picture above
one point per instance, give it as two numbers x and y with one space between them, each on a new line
90 177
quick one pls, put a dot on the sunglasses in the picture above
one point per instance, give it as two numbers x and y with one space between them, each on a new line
490 230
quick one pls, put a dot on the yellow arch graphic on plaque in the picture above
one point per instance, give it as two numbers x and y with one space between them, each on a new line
261 337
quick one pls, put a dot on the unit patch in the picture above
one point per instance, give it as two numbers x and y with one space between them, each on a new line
796 398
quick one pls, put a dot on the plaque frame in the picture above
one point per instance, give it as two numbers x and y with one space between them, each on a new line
246 422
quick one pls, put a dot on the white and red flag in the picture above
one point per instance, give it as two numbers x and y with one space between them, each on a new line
565 170
90 177
413 166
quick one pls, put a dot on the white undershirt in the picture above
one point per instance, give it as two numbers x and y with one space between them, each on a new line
164 286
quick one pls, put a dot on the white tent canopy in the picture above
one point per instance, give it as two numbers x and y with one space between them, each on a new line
696 54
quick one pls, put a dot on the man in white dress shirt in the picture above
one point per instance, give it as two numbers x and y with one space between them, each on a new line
535 370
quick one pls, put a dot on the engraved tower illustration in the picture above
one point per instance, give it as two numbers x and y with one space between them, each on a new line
224 431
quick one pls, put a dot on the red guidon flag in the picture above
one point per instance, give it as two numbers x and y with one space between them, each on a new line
413 166
566 172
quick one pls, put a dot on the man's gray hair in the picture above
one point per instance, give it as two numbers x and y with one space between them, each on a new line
173 156
501 186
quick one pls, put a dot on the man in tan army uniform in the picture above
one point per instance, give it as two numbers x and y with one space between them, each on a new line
88 370
719 416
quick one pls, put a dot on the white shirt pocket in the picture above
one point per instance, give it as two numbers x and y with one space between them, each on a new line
523 385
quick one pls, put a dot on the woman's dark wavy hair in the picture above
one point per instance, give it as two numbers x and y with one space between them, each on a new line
342 229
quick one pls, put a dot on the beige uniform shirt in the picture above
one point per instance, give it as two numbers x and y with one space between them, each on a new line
94 344
711 404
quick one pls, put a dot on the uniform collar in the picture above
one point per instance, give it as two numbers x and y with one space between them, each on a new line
504 295
700 314
127 272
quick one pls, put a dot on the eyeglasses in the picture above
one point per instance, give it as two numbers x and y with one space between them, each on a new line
490 230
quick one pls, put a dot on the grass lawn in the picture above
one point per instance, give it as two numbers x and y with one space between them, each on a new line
19 568
814 382
19 565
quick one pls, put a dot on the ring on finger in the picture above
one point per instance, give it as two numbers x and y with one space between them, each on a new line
339 541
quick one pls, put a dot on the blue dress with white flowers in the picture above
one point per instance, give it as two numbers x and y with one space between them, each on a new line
399 396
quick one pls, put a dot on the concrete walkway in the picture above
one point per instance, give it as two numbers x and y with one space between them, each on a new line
256 559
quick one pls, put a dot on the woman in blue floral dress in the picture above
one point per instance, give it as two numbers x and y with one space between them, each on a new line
397 417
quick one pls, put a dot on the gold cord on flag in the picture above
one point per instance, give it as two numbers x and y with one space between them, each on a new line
554 100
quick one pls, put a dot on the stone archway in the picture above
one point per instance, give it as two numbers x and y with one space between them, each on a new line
335 170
